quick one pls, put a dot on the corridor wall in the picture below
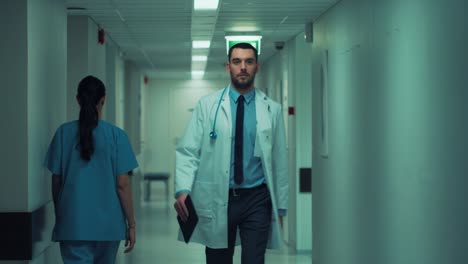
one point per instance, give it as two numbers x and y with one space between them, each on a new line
85 56
286 77
33 73
392 189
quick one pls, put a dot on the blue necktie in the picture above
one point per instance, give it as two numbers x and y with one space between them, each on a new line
238 168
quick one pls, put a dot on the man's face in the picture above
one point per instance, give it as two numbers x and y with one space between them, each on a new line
242 66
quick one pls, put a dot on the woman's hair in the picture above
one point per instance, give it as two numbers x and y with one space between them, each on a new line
90 92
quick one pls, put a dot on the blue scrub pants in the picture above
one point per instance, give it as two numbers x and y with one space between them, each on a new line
89 252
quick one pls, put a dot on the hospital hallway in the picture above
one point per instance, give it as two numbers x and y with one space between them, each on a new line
371 166
157 230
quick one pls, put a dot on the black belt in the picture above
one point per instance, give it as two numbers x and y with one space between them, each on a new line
243 191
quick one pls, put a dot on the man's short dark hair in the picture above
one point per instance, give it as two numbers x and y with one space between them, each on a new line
243 45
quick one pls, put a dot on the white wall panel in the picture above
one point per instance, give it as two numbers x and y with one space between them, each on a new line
392 188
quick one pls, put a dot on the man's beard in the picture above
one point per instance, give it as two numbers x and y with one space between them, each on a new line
243 85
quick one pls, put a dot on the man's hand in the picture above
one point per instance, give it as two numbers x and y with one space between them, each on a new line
281 221
180 207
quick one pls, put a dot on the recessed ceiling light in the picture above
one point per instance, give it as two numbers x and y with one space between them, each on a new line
205 4
201 44
199 58
197 74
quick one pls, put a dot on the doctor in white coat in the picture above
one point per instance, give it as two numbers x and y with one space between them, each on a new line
232 161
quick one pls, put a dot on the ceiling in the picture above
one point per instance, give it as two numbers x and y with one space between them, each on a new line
157 34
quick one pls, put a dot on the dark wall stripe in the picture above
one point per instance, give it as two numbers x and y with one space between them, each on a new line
16 236
25 235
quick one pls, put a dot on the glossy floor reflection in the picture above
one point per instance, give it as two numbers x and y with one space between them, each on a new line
156 240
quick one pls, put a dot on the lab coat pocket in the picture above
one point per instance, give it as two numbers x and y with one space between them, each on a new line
204 225
263 142
257 148
204 214
200 191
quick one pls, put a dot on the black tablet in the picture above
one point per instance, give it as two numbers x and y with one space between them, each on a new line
188 226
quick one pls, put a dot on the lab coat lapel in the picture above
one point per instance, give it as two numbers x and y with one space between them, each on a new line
263 112
226 106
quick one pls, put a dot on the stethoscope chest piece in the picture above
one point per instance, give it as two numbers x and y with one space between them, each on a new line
213 135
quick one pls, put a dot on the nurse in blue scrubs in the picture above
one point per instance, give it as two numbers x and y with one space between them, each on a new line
90 160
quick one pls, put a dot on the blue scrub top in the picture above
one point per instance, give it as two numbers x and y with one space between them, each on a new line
88 207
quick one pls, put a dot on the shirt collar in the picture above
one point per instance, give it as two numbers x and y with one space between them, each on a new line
248 96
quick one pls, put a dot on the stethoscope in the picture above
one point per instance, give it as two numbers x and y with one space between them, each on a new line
213 133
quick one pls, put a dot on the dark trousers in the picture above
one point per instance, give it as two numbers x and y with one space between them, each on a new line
250 211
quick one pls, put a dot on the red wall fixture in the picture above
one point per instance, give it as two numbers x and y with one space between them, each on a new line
101 36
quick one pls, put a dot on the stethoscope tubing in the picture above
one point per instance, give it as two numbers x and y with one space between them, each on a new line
213 133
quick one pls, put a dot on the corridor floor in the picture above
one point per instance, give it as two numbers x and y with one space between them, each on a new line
157 242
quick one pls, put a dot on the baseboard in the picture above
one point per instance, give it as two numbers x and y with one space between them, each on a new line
26 234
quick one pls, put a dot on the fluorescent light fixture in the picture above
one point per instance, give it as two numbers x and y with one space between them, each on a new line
201 44
251 39
244 38
199 58
205 4
243 29
197 74
198 65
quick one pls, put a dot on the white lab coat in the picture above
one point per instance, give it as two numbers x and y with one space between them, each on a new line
203 165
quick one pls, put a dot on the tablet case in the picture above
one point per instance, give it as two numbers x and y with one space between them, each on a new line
188 226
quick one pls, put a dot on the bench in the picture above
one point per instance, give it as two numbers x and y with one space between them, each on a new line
155 176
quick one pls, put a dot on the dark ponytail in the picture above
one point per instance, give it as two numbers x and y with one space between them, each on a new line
90 92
